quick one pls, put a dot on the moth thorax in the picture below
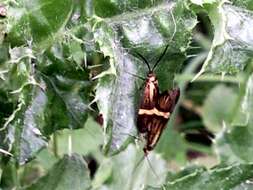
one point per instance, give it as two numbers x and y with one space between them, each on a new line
151 78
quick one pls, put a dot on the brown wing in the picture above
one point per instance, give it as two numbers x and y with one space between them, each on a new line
143 121
157 124
164 107
168 100
150 95
147 104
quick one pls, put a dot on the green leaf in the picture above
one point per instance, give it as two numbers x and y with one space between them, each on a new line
166 146
24 126
58 99
146 31
188 170
201 2
3 55
246 4
115 174
77 53
246 110
70 172
225 178
84 141
16 72
22 96
232 46
244 186
218 107
3 29
46 159
235 145
68 89
9 179
103 8
38 21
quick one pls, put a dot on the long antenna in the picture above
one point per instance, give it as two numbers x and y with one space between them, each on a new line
160 58
137 76
138 164
153 170
144 59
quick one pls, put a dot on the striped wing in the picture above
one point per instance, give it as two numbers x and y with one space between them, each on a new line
147 104
168 100
157 122
150 95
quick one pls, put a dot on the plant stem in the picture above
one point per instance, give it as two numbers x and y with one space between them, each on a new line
209 78
55 145
242 91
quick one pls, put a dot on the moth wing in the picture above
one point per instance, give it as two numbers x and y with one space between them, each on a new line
150 95
157 124
166 103
148 102
143 122
167 100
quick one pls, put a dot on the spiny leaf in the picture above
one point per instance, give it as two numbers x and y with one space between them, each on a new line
232 46
218 107
105 8
246 4
38 21
221 177
133 175
84 141
67 87
235 145
22 131
49 98
70 172
119 38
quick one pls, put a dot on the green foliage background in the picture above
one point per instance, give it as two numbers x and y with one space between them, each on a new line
63 64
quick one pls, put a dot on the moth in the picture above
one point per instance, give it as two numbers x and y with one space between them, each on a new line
155 108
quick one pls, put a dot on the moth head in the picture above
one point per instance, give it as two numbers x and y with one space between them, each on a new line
151 77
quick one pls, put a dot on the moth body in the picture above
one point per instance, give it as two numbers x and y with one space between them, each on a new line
154 111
